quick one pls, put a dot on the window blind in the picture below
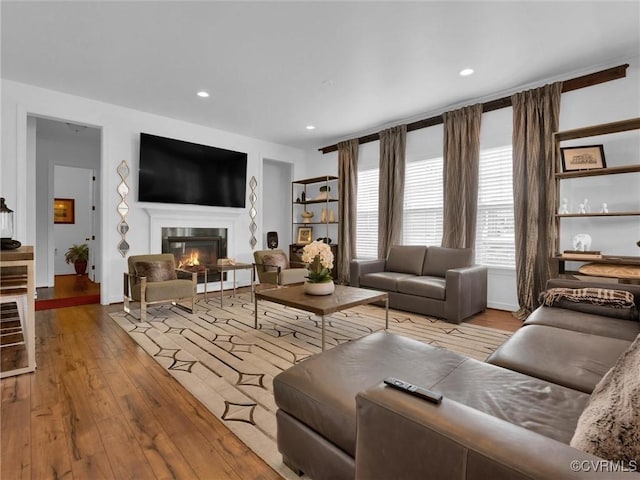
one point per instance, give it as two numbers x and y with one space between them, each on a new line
423 207
367 214
495 237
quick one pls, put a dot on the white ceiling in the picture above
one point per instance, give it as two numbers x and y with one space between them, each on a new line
274 67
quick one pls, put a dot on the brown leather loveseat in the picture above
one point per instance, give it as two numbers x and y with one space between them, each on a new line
436 281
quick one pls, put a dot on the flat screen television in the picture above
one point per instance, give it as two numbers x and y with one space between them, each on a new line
174 171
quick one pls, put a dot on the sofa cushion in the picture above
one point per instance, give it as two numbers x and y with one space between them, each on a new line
170 289
599 301
321 391
387 281
156 271
543 407
584 322
429 287
440 259
574 359
609 427
406 259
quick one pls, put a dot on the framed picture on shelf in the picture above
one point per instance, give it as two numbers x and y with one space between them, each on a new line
64 210
587 157
304 235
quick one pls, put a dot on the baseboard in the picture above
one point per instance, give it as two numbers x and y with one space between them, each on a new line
503 306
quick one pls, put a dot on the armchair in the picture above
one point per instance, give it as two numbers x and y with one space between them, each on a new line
272 266
155 279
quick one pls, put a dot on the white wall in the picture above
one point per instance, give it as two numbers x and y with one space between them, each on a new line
276 196
607 102
120 138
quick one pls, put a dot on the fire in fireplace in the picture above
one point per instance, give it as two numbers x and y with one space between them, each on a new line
196 249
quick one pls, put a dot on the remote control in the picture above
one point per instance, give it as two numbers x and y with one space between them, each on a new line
414 390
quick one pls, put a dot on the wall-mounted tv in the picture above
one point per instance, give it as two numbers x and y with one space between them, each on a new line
174 171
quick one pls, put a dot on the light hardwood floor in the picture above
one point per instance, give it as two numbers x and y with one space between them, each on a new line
99 407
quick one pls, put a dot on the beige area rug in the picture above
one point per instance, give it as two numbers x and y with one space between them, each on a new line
219 357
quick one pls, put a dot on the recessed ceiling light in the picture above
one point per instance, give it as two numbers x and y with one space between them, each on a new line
466 72
310 127
203 94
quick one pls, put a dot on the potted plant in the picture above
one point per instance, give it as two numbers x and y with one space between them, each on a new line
78 255
319 258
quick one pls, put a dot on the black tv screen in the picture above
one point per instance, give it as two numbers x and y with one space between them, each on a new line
173 171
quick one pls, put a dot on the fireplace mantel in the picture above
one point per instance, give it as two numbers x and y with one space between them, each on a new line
194 217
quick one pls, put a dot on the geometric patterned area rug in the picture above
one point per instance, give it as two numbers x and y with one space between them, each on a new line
229 366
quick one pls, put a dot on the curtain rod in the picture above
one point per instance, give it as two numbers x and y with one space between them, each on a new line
602 76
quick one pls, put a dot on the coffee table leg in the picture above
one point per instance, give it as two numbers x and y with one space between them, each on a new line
386 313
255 312
323 333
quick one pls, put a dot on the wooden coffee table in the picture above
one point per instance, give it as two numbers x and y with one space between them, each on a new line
343 298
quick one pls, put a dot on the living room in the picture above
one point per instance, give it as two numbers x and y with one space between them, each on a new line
26 98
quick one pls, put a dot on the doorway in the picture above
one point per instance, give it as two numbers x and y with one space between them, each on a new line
67 164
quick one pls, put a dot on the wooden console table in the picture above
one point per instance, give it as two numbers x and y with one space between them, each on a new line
17 284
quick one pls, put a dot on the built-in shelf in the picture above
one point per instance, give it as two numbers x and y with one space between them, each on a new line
315 223
610 214
599 171
310 202
559 176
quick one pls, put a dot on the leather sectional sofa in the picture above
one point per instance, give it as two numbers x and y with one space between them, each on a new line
436 281
511 417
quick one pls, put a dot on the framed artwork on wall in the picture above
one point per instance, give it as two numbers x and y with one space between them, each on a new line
64 210
304 235
588 157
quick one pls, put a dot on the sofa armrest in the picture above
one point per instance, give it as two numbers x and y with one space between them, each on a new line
466 292
362 267
404 437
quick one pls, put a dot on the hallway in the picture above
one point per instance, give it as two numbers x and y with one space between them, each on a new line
68 291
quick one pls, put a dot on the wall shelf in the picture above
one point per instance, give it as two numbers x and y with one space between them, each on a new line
559 175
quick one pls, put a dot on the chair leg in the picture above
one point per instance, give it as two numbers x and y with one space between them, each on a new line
143 311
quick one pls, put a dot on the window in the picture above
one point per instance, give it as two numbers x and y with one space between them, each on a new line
367 213
495 237
423 208
422 219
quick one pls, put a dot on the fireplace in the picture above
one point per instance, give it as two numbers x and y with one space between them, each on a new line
196 249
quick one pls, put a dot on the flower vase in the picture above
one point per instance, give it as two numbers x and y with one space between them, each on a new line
322 288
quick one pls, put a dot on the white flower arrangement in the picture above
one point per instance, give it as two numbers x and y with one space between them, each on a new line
319 257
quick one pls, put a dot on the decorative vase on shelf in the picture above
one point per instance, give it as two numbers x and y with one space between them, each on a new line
322 288
306 216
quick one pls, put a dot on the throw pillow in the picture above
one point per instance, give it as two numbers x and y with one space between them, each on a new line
158 271
609 426
598 301
275 260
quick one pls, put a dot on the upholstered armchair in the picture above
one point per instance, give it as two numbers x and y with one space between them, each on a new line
155 279
273 266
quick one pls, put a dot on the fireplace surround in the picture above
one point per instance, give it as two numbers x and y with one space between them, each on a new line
196 249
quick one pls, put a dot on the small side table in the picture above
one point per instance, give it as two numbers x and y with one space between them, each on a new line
228 268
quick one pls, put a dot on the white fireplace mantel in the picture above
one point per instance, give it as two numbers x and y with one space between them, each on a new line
208 217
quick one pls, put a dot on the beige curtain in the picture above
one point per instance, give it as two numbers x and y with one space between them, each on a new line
391 187
347 190
460 176
535 118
